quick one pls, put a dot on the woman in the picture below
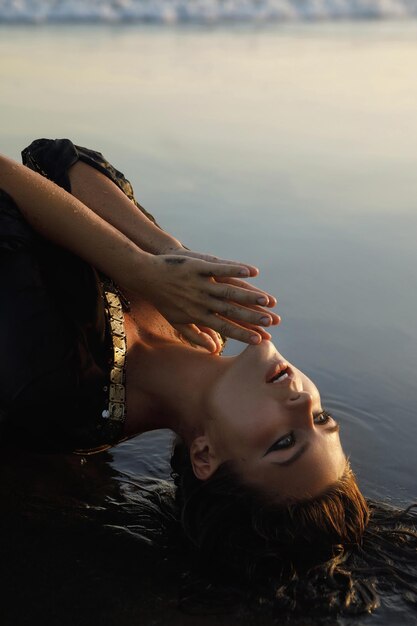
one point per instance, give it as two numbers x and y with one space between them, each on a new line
264 487
73 327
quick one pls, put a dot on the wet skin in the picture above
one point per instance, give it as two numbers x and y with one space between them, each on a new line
275 433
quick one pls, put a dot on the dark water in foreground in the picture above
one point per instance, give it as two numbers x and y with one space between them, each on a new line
290 148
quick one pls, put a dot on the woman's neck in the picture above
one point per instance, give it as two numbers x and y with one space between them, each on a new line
166 381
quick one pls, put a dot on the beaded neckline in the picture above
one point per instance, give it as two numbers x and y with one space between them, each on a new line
113 415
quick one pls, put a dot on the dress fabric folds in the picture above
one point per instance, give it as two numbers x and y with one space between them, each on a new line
54 335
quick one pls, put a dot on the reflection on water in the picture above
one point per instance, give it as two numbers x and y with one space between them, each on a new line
292 148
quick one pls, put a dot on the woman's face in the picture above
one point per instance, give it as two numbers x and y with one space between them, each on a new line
275 432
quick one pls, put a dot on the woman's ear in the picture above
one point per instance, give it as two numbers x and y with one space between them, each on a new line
203 459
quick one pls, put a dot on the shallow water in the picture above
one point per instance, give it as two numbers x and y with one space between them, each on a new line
292 148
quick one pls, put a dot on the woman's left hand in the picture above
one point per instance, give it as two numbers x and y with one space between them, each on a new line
206 337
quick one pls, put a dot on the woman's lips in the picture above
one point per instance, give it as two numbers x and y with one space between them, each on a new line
278 368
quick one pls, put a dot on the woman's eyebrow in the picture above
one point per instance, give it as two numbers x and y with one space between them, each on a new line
294 457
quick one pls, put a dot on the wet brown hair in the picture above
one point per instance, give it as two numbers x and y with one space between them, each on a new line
331 553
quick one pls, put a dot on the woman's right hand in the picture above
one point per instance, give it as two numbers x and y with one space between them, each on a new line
185 290
209 295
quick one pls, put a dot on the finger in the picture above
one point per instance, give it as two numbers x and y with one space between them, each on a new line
215 336
238 294
251 315
193 334
272 301
224 269
253 271
258 329
276 319
236 331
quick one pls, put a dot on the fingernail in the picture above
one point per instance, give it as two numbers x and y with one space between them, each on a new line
244 272
265 321
262 301
255 339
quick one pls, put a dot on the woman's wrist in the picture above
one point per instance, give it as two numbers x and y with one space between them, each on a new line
168 245
154 240
137 273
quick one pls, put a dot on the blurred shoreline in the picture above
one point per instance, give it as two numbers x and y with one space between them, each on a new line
201 11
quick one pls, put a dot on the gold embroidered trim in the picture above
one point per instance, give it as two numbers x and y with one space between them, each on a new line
113 417
117 395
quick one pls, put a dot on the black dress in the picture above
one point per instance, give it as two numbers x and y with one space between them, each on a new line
55 338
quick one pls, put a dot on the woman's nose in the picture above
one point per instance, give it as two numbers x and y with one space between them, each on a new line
302 403
300 398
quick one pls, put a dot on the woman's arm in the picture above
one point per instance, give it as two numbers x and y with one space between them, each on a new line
101 195
105 198
183 289
63 219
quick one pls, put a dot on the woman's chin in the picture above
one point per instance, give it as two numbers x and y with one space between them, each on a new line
266 350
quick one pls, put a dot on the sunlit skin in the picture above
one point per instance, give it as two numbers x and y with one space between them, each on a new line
225 408
249 416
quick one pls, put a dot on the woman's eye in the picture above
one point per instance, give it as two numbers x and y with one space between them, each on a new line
322 418
283 443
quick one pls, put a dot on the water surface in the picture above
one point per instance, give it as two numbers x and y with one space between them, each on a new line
289 147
